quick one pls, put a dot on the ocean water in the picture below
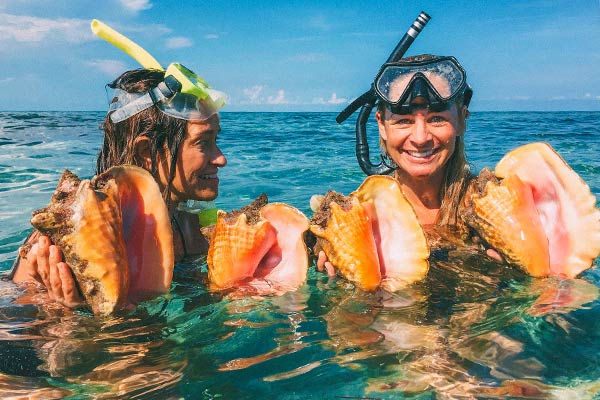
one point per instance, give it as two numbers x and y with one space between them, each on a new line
473 329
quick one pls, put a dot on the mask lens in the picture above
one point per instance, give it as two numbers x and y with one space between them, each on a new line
445 77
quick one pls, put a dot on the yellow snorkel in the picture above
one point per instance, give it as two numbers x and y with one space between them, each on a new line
126 45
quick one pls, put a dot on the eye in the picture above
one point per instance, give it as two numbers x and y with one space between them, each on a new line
437 119
402 121
206 142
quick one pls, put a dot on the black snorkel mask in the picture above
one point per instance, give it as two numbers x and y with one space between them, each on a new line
367 101
437 80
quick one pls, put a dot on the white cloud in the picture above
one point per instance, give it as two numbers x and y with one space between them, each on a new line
109 67
179 42
211 36
332 100
279 99
253 93
136 5
256 95
27 29
6 80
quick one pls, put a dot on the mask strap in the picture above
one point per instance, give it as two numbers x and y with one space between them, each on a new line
147 100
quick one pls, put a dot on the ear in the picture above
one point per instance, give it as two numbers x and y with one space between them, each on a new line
142 152
381 125
464 113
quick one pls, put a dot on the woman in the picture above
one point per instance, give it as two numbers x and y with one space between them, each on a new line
422 111
174 139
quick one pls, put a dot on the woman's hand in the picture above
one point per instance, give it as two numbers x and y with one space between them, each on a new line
44 264
490 252
324 264
494 254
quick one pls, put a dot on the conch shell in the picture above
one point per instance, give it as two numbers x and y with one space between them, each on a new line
373 237
542 216
260 245
348 240
115 234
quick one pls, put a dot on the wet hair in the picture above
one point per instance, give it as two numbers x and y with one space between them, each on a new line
165 132
458 177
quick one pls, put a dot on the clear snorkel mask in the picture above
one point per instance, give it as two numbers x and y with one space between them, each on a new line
182 94
439 80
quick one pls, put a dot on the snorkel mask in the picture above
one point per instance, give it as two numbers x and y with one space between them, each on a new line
182 94
438 80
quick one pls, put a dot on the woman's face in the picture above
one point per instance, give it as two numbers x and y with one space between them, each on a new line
198 162
421 143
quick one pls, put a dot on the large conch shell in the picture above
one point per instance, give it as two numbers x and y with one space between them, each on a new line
373 237
542 216
115 234
261 246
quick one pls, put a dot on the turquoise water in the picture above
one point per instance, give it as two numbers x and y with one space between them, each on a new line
472 329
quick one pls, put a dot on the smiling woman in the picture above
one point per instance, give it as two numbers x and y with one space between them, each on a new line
422 110
167 122
422 116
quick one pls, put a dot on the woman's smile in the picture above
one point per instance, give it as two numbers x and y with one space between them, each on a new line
422 154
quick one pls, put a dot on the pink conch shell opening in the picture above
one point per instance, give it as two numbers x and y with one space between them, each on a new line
286 263
268 254
554 211
565 204
148 233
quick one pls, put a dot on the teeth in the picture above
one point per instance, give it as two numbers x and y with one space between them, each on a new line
421 154
211 176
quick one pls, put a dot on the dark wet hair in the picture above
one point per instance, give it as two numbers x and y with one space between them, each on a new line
165 132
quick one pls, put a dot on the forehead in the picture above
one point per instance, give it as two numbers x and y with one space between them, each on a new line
440 83
206 127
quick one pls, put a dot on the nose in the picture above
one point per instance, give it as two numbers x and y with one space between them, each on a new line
420 134
219 158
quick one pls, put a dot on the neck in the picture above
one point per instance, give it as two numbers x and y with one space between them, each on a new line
423 195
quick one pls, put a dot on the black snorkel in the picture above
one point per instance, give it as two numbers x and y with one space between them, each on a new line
368 100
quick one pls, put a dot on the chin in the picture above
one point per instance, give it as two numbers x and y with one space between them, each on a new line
208 196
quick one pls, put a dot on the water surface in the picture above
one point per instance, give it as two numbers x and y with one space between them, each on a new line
472 329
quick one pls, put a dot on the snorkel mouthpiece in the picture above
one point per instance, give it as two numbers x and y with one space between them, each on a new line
182 94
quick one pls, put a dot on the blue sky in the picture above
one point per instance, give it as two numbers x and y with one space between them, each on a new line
302 55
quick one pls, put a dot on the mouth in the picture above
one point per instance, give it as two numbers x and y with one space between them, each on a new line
421 154
209 176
